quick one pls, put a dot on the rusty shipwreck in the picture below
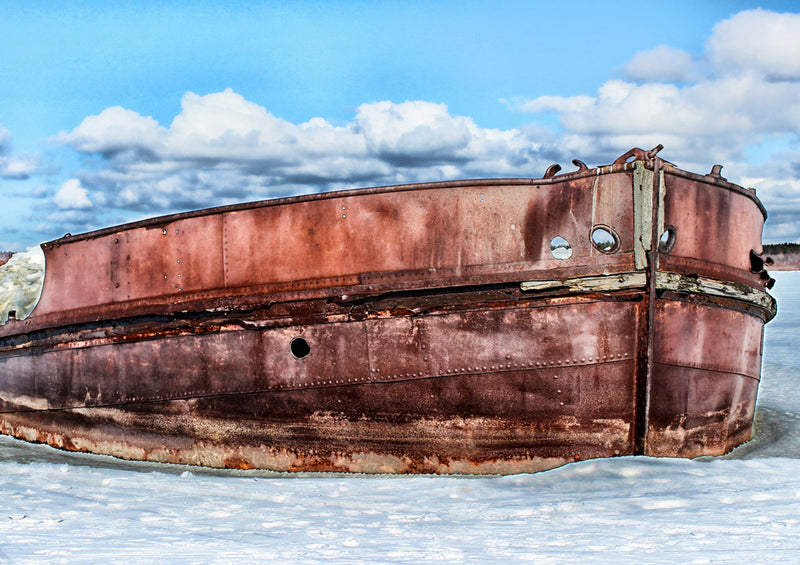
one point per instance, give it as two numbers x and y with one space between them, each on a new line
485 326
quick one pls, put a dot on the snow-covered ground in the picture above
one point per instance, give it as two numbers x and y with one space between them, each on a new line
742 508
21 280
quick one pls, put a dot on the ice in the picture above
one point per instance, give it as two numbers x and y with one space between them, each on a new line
21 280
57 507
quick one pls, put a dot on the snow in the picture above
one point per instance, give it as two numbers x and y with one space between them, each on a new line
57 507
21 281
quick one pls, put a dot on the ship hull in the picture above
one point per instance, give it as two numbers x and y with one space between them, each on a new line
359 365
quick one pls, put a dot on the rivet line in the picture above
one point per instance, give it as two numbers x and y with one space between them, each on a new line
378 378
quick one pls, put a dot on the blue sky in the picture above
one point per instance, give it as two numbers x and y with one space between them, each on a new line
111 112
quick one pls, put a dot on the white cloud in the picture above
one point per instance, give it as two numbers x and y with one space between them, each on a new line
739 99
757 40
568 104
15 166
114 130
414 130
718 116
737 103
225 126
72 196
19 166
222 148
661 64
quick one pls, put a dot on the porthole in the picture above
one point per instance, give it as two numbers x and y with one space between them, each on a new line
560 248
604 239
300 348
667 240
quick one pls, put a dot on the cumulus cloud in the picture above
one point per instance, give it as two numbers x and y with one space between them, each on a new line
72 196
15 166
414 131
661 64
223 148
115 130
736 100
718 117
760 41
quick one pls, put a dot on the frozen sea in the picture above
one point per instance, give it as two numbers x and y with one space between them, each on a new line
57 507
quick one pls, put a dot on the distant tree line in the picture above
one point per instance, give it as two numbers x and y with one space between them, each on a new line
781 248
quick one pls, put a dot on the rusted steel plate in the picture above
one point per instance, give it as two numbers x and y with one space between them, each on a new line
317 430
531 385
326 441
498 340
697 412
708 337
714 231
171 259
246 359
707 365
374 241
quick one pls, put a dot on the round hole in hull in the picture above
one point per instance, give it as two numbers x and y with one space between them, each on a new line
604 239
300 348
560 248
667 240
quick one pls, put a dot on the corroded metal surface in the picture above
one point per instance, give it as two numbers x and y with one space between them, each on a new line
707 366
364 242
509 384
503 395
716 230
423 328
